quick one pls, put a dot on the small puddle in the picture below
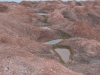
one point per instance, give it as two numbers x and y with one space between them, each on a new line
63 54
43 14
46 28
53 42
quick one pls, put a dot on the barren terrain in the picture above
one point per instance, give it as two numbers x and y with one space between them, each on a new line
26 26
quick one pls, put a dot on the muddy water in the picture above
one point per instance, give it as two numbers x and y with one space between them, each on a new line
53 42
63 54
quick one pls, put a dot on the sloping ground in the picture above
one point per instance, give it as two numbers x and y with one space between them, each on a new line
86 48
82 29
21 60
21 52
3 8
27 4
18 22
85 13
49 6
80 21
79 29
56 18
86 57
21 38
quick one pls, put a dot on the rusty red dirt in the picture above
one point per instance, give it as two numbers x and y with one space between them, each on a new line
22 51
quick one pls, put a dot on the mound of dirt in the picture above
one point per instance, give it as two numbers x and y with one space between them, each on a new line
22 48
19 21
49 6
82 29
29 57
56 18
79 29
3 8
86 55
81 9
26 4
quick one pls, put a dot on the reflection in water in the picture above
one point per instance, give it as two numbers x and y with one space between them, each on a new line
53 42
63 54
